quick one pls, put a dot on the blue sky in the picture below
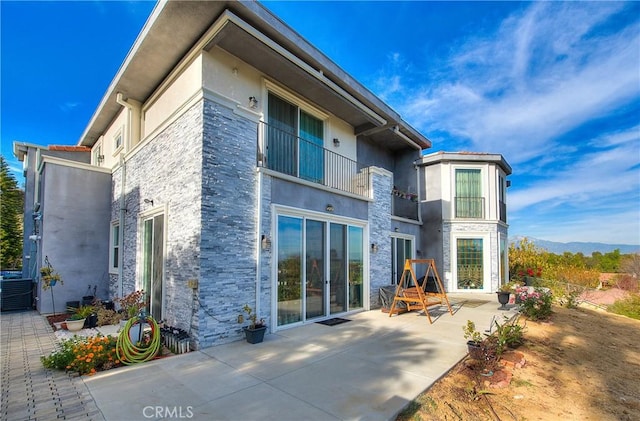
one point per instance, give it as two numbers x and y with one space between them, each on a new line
553 86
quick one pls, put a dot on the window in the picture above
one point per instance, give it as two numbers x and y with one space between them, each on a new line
114 248
502 201
295 141
470 263
98 158
469 202
117 141
401 250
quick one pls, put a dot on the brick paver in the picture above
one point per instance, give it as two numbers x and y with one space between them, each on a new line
28 390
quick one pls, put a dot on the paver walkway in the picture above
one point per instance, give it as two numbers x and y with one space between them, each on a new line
29 391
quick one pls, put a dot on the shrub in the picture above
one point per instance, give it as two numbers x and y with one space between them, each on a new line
84 355
508 335
629 307
63 356
107 317
535 305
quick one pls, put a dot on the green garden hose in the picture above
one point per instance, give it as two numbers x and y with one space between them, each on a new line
128 352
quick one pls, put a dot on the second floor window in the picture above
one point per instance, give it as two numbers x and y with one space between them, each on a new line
469 202
295 141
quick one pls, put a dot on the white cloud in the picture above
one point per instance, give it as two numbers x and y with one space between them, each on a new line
548 72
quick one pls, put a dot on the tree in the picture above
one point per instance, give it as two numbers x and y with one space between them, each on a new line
11 214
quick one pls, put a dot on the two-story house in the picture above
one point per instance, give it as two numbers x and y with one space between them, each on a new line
248 168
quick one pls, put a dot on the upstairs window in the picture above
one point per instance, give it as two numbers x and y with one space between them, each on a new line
469 202
295 141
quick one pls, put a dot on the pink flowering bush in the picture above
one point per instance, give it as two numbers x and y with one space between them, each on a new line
536 305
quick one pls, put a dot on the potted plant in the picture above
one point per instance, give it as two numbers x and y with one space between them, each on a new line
49 278
504 293
254 333
81 314
75 322
474 340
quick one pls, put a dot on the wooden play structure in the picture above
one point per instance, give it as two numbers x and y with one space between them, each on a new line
417 296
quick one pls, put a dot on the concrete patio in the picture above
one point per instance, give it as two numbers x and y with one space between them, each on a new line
365 369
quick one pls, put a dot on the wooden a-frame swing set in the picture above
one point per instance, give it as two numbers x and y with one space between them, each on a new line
417 297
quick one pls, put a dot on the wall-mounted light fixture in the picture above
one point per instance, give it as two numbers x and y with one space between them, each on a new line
330 208
148 201
396 229
265 242
374 248
100 159
253 102
336 142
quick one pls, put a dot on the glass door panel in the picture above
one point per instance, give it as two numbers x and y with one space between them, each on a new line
356 267
315 267
337 265
289 270
153 263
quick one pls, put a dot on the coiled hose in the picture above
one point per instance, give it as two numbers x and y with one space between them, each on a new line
128 352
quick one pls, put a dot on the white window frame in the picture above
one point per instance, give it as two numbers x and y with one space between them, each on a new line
484 185
394 237
303 214
119 135
113 263
142 217
486 259
97 153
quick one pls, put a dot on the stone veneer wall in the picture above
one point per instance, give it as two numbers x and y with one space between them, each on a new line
228 257
449 228
167 170
379 229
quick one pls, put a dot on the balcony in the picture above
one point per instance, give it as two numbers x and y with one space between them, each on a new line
286 153
469 207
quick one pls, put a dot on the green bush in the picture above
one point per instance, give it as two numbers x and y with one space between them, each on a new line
535 305
63 356
629 307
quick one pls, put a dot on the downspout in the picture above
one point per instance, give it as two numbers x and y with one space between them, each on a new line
133 137
133 119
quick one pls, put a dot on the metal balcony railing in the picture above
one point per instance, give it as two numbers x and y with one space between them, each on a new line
469 207
287 153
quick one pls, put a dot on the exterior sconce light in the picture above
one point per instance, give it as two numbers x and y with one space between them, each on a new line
374 248
265 243
148 201
100 159
253 102
396 229
336 142
330 208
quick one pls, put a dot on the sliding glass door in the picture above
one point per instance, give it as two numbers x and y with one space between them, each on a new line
329 279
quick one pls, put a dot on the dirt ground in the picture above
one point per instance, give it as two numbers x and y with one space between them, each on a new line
580 365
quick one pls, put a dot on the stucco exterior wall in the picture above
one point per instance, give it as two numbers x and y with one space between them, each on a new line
75 232
171 97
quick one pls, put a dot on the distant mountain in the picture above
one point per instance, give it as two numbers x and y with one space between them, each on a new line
576 247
